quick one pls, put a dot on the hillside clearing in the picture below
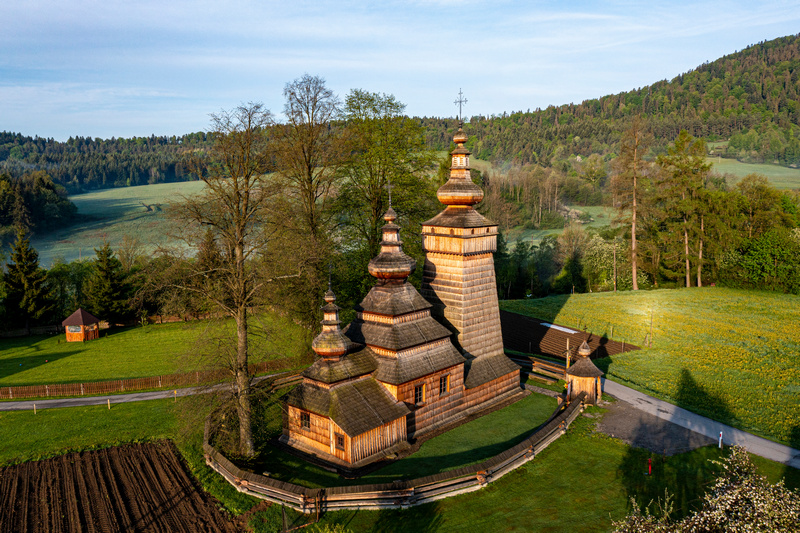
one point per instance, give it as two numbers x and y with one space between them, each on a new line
111 214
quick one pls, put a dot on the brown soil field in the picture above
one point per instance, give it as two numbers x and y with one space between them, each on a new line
137 487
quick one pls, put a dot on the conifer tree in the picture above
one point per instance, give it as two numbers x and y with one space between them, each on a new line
107 291
27 298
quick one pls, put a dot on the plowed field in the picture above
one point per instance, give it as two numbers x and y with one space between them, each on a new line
138 487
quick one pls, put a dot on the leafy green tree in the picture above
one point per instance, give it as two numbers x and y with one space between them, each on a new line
308 153
27 299
385 148
107 290
773 260
685 171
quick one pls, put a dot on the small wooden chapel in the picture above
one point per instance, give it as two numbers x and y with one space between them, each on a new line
409 363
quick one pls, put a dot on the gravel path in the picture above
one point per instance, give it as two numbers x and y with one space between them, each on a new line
686 420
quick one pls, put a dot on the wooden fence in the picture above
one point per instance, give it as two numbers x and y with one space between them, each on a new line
187 379
400 494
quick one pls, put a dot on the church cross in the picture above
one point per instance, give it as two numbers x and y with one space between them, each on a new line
461 101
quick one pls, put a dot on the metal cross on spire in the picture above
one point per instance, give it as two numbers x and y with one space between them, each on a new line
461 101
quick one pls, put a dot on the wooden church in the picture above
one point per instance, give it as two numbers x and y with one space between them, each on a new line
409 363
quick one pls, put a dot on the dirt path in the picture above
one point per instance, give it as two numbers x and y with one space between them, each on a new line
137 487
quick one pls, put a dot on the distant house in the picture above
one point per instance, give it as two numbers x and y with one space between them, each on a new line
81 326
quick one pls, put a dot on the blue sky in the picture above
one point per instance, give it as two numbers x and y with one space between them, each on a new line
121 68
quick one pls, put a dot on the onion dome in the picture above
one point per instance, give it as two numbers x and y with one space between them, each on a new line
331 342
459 189
584 350
391 262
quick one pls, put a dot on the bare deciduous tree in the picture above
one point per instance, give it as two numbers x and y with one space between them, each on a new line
231 212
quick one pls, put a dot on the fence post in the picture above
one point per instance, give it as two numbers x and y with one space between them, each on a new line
10 394
47 389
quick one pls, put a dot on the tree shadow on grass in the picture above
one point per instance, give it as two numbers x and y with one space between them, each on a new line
647 473
425 518
791 475
23 363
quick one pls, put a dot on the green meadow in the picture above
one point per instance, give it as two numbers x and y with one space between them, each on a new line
140 351
731 355
780 177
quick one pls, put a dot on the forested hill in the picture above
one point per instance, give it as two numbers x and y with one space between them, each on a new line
751 97
83 163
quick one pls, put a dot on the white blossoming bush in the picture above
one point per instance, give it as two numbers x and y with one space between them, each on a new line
740 501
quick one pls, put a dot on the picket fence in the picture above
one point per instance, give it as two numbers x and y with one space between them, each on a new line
187 379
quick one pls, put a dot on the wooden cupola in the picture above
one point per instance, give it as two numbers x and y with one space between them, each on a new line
330 344
584 376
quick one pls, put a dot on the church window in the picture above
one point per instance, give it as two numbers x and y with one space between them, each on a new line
339 441
305 420
444 384
419 394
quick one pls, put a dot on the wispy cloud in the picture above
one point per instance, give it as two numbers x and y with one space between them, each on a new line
124 68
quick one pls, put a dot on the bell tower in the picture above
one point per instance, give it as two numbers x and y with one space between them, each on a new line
459 278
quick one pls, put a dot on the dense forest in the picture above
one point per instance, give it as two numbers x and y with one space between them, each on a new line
83 163
751 97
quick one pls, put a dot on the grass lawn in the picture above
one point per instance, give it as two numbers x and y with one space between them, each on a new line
779 177
579 483
137 351
731 355
467 444
111 214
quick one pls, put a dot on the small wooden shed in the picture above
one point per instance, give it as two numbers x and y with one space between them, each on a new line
81 326
584 376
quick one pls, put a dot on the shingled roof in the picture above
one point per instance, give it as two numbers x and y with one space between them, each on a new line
487 368
584 368
355 364
81 317
397 336
356 407
393 299
459 217
413 366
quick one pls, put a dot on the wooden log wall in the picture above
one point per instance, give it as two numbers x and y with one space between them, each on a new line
590 386
317 435
378 440
399 494
491 390
438 409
